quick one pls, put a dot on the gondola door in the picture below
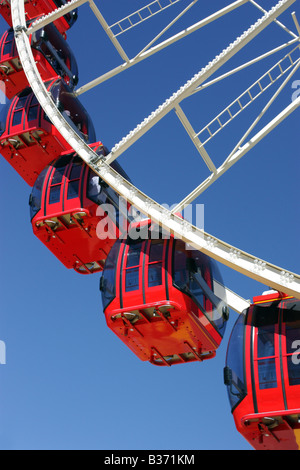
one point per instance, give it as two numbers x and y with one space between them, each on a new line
265 350
54 196
290 344
132 290
73 189
155 271
275 349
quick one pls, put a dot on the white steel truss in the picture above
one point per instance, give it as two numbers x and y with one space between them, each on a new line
249 95
135 19
239 151
141 15
192 85
245 263
147 51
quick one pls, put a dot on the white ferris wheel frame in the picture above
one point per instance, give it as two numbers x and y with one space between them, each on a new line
253 267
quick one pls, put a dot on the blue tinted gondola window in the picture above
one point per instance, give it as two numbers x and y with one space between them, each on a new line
33 109
73 189
18 114
73 111
198 293
56 183
294 368
58 175
112 198
54 196
36 194
33 113
235 362
265 320
291 318
10 39
180 273
3 116
265 355
108 283
187 262
132 279
267 374
22 99
203 264
76 171
74 180
155 263
132 267
265 341
17 119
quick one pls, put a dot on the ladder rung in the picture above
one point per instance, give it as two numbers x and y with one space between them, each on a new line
140 15
269 80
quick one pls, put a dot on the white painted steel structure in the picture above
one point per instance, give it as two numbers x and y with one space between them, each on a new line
273 276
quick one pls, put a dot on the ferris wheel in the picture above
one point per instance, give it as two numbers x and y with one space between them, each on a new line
272 81
248 264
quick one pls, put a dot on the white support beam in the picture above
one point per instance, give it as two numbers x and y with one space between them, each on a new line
139 16
246 64
194 138
238 155
233 300
105 26
166 28
296 23
159 47
199 78
248 97
266 107
287 30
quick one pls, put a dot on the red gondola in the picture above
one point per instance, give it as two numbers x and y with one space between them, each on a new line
262 372
65 215
35 8
52 55
28 140
159 298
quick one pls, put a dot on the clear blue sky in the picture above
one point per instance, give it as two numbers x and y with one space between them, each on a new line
69 383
